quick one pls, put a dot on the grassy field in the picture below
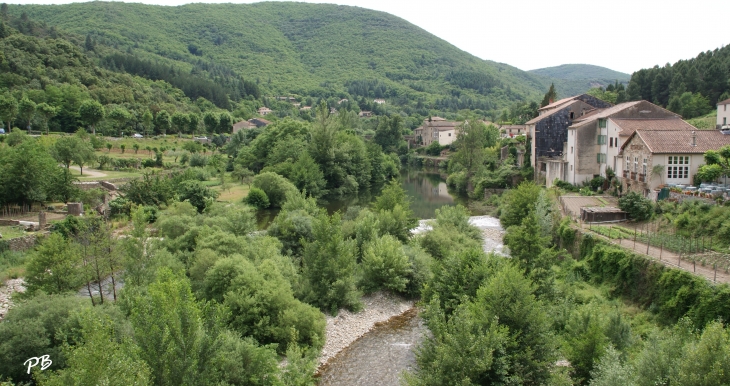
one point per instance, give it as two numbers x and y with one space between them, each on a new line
706 122
235 193
11 232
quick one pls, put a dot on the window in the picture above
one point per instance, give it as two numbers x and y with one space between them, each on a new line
643 167
610 142
724 120
571 168
628 164
572 114
449 134
678 167
601 139
636 164
602 123
571 150
601 158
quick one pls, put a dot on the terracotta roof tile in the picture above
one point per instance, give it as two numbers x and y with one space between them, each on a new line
605 113
680 141
541 117
558 103
243 125
725 102
628 126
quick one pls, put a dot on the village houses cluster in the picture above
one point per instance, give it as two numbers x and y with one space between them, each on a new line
578 138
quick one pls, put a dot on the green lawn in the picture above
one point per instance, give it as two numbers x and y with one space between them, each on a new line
236 193
11 232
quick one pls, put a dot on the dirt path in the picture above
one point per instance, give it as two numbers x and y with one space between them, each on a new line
668 258
89 172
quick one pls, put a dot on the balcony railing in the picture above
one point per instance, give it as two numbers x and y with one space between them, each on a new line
642 177
633 175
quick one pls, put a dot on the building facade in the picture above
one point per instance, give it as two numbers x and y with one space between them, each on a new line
594 140
436 129
549 133
723 114
651 158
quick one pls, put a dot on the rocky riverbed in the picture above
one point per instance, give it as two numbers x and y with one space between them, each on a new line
6 290
347 327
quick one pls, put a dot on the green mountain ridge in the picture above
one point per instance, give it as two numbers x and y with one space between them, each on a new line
572 79
319 50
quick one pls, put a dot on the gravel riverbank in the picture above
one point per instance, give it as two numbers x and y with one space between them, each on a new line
6 290
345 328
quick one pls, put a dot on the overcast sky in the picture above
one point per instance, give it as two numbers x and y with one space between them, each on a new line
623 35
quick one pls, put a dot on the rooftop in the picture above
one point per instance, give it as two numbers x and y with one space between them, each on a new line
558 103
555 110
725 102
680 141
629 126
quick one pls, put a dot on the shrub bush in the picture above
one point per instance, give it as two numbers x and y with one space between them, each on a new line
275 186
257 198
385 265
637 207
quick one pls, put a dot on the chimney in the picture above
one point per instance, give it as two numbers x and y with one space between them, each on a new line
694 138
550 101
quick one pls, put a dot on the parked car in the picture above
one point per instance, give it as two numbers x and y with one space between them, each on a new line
137 135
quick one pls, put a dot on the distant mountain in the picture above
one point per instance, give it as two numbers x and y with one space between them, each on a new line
572 79
317 50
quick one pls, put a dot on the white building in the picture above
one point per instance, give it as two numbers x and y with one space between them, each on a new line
595 139
723 114
651 158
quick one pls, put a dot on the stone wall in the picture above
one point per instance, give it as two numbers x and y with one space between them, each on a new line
23 243
9 222
88 185
108 185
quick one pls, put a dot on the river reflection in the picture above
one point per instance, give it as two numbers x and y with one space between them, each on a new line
378 357
427 191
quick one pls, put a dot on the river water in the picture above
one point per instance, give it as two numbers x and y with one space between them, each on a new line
380 356
426 189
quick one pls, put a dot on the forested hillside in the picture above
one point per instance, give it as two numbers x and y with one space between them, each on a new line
51 79
573 79
305 50
689 87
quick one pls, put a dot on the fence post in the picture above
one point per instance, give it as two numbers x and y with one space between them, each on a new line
634 237
661 248
648 241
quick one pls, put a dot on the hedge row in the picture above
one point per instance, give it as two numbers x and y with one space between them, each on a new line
669 292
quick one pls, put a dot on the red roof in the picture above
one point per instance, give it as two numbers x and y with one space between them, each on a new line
680 141
629 126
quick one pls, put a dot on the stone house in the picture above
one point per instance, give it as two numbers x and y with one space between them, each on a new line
595 139
365 114
379 101
259 122
264 111
549 130
250 124
676 154
436 129
723 115
242 125
513 130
